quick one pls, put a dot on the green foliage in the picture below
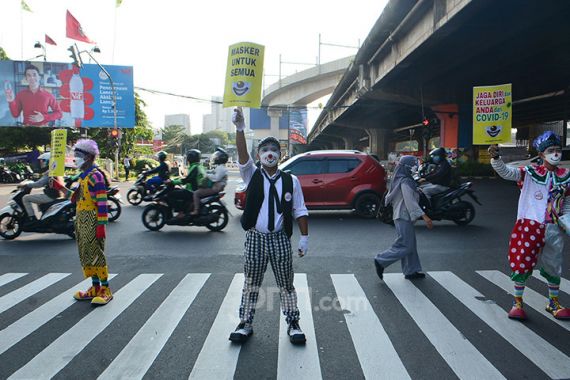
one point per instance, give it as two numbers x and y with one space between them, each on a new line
3 55
16 138
474 169
217 134
140 164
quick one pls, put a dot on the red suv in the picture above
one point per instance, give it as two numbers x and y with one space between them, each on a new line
335 180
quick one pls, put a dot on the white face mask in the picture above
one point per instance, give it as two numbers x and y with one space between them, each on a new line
553 158
79 162
269 158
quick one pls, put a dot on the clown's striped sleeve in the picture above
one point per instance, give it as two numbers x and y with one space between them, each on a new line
509 173
98 192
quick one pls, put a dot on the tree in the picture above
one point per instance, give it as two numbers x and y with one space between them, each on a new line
220 135
3 55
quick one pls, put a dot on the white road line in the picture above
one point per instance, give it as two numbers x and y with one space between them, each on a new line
530 297
553 362
9 277
375 351
40 316
299 362
218 357
58 354
137 357
17 296
463 358
564 283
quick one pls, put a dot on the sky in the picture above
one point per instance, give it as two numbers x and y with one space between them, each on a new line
181 46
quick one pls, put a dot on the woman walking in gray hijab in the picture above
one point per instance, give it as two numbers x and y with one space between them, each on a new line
404 198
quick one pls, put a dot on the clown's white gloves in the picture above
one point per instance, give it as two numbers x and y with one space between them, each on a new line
238 119
303 245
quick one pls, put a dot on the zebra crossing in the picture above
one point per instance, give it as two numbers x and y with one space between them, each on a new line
373 338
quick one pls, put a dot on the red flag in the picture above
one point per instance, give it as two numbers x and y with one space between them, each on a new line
74 30
50 41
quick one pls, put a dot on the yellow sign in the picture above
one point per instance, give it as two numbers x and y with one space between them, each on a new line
244 75
57 158
492 114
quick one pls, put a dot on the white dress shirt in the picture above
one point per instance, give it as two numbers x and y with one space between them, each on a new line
299 209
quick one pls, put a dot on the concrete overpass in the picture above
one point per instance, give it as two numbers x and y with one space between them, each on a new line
300 89
422 57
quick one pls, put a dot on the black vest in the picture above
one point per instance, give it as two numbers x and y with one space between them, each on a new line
254 200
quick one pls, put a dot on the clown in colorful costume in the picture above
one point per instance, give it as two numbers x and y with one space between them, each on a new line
91 218
537 236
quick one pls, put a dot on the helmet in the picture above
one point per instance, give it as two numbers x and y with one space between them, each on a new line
438 152
45 156
193 156
267 141
220 156
161 155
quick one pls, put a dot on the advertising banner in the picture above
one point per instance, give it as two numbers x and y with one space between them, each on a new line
244 75
58 149
297 126
492 114
48 94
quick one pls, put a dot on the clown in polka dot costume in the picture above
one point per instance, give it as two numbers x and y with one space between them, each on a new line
536 241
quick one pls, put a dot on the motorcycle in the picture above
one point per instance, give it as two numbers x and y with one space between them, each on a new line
213 213
140 192
114 200
447 205
56 217
8 176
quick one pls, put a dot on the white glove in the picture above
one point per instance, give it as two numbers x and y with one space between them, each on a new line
238 119
303 245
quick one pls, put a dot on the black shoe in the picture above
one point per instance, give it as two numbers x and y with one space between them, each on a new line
379 269
242 332
415 275
30 220
296 335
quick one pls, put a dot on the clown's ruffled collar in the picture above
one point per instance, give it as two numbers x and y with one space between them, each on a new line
540 174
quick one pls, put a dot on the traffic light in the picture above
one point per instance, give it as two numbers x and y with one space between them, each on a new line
426 122
114 136
75 56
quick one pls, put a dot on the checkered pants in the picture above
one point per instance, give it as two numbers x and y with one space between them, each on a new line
259 249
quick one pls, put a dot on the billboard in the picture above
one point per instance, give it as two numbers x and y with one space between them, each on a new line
297 125
50 94
492 114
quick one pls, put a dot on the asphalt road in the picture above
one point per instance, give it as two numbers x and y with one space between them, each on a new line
338 269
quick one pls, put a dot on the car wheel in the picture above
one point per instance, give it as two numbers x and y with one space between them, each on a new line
366 205
10 227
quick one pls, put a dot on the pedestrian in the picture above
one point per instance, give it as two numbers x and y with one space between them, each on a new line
90 221
273 199
543 211
127 164
404 197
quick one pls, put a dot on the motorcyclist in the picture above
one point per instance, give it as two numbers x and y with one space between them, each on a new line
439 179
49 193
162 171
217 179
195 178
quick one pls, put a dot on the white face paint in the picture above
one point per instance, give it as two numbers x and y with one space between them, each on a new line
553 155
269 155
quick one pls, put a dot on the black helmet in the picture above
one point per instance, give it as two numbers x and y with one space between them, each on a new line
193 156
161 155
220 156
438 152
267 141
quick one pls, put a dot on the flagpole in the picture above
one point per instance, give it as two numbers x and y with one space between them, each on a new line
114 35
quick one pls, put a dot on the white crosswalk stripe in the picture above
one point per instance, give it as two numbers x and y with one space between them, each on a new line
531 298
9 277
373 346
535 348
218 358
564 283
56 356
13 298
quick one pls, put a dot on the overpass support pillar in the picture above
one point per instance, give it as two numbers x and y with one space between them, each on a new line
274 115
349 143
377 142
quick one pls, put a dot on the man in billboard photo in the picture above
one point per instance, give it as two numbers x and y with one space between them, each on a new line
38 105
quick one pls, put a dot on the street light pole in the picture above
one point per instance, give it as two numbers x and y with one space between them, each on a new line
114 93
